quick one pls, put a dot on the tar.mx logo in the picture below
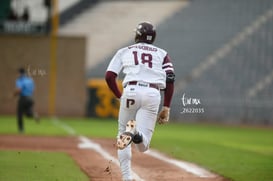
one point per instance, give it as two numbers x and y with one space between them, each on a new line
190 101
191 105
35 71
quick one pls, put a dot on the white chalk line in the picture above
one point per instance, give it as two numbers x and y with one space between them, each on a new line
189 167
87 143
65 127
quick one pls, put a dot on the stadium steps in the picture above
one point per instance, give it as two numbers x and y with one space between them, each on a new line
223 87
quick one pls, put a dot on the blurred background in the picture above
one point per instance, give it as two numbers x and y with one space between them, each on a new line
222 51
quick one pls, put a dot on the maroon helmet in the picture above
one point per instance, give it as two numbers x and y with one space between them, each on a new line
145 32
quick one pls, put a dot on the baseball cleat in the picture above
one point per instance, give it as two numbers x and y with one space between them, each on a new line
137 139
126 138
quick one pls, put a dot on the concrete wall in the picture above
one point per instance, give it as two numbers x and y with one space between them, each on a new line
33 53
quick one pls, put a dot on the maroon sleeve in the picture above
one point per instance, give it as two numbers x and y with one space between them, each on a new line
169 90
168 94
110 78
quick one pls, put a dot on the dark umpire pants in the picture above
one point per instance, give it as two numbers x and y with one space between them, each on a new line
25 105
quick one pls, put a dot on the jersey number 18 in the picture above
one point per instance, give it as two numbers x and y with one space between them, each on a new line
145 58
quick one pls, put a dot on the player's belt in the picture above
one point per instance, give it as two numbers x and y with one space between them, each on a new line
155 86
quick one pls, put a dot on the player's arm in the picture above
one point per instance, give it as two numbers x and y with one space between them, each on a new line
168 92
112 72
110 78
18 89
163 116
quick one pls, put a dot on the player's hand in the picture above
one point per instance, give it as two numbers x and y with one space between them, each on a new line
163 116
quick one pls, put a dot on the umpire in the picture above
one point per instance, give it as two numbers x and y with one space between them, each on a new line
24 89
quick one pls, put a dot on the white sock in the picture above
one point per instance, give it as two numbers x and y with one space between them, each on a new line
124 157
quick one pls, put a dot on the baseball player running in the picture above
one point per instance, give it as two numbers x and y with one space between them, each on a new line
148 69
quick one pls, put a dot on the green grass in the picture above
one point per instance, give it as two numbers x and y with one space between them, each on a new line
45 127
49 126
238 153
42 166
102 128
243 154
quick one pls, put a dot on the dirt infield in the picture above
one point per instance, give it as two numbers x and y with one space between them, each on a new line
97 167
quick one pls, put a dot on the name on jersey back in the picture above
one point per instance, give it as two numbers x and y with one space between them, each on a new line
143 47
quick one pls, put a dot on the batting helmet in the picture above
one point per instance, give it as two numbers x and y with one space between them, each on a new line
145 32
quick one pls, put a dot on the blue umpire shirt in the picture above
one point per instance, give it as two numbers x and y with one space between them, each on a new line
26 85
